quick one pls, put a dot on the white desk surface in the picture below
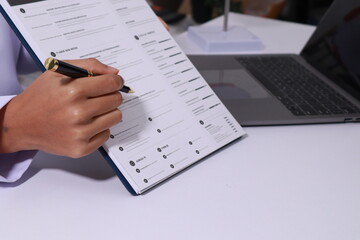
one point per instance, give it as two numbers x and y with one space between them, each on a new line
280 183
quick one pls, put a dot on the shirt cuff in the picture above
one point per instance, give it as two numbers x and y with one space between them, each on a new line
5 99
14 165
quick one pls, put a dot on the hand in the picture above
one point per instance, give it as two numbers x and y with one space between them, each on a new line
63 116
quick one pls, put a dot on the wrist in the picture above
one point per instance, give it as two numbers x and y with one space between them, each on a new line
11 138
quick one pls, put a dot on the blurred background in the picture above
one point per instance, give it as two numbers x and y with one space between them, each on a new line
300 11
173 11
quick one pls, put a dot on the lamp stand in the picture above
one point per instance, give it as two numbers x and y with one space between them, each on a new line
227 39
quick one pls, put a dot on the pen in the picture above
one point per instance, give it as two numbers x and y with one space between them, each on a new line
72 71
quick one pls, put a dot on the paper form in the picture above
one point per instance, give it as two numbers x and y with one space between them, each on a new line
173 120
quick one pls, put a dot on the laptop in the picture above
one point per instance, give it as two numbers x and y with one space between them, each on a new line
320 85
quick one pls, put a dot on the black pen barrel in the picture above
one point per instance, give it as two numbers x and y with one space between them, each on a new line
66 69
72 71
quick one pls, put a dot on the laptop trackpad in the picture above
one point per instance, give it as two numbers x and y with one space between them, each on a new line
232 84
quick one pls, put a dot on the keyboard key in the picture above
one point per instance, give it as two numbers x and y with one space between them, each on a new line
348 110
296 110
308 109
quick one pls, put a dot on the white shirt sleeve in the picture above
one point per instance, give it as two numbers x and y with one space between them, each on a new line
25 63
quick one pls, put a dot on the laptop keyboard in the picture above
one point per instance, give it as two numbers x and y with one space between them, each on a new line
298 89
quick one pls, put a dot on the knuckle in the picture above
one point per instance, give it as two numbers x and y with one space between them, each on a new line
92 61
79 151
78 146
106 135
76 114
73 92
83 147
115 82
79 135
92 64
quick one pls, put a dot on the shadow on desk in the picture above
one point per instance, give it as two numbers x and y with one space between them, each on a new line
92 166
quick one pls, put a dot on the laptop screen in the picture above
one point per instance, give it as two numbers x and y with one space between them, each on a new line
334 48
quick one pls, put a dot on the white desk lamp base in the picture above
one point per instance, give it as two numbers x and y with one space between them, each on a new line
214 39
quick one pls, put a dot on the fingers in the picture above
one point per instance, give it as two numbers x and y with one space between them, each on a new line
104 104
105 121
96 86
94 66
91 105
65 116
98 140
106 82
88 147
94 135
